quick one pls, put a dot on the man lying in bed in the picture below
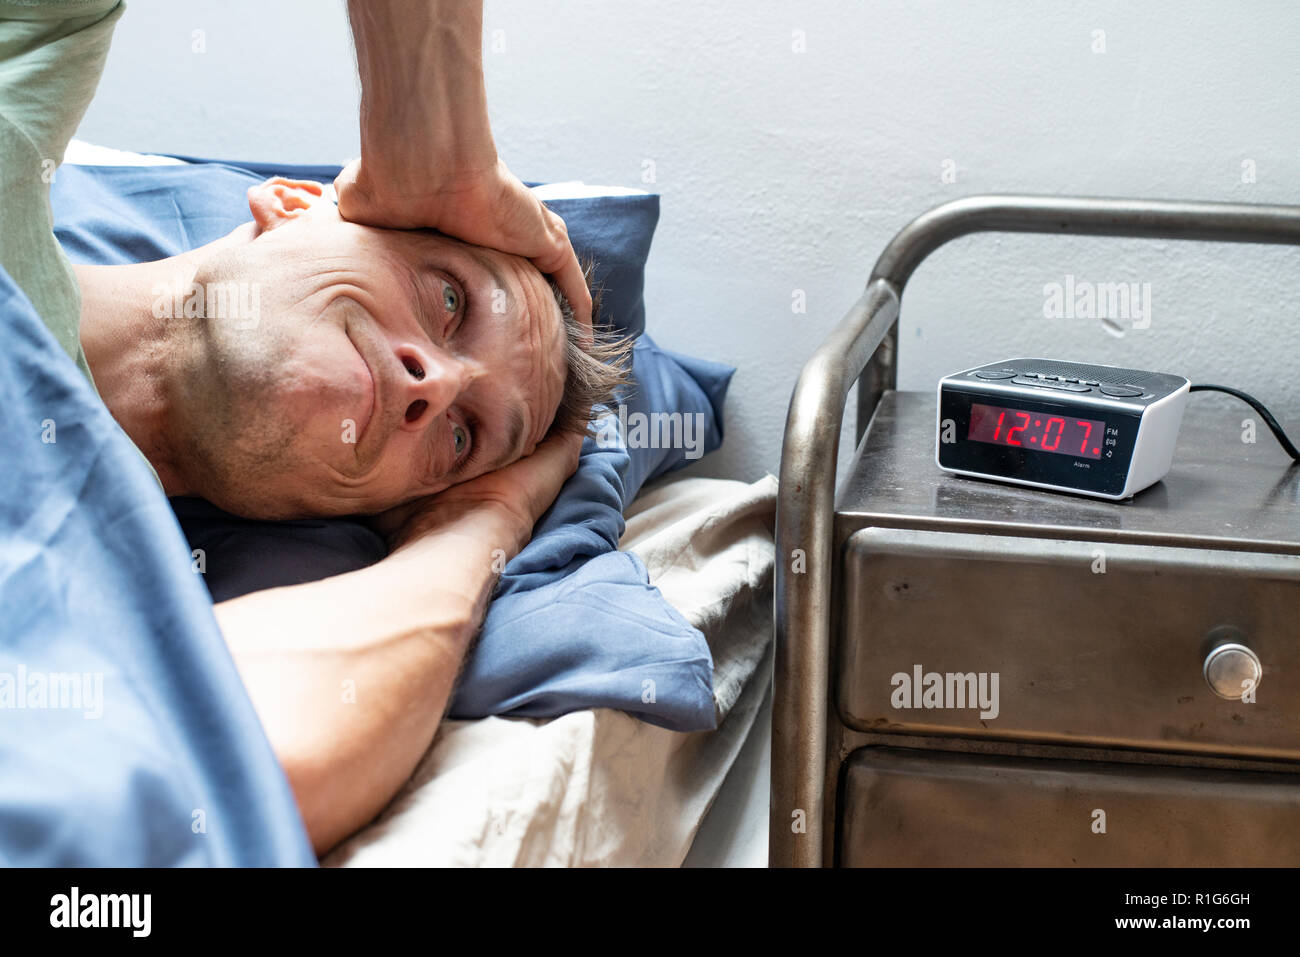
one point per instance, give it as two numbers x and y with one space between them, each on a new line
375 367
378 367
307 366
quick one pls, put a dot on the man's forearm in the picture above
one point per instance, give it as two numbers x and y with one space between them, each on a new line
351 675
422 93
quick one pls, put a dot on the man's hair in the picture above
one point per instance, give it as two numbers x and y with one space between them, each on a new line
597 362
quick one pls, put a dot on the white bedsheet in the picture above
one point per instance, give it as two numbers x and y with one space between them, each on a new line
597 787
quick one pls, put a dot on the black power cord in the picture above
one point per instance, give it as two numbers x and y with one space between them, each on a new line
1258 406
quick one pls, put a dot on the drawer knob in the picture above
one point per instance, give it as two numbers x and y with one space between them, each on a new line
1231 669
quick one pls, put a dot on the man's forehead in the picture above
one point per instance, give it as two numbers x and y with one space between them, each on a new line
428 244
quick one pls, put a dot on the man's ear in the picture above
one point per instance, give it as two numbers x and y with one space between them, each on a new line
279 200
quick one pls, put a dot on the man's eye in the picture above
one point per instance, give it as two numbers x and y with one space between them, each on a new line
460 438
450 298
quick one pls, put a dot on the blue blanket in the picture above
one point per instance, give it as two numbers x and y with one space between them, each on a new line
126 737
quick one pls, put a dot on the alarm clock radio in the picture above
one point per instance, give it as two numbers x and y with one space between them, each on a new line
1065 426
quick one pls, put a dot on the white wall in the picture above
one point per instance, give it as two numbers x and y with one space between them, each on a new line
784 170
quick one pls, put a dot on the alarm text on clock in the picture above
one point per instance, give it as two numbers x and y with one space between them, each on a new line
947 690
1080 299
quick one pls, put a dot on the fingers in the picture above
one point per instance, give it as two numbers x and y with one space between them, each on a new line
561 262
573 284
543 473
345 187
494 210
518 495
571 442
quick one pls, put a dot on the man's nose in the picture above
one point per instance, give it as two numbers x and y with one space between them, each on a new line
432 382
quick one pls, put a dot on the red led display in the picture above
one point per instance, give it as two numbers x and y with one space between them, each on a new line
1062 434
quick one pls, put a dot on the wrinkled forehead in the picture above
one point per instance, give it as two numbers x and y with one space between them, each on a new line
322 221
511 280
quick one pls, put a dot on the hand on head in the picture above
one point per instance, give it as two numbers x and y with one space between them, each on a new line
516 495
489 208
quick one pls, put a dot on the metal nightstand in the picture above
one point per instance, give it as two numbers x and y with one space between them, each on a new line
1113 628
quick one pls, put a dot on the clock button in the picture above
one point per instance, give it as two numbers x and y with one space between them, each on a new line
1050 378
1231 669
994 375
1089 382
1119 391
1063 379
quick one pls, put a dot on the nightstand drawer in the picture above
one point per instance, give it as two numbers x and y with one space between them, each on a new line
931 809
1064 641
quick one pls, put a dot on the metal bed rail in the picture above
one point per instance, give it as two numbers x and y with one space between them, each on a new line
863 348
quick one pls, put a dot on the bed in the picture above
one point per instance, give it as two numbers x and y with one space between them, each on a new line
597 786
544 781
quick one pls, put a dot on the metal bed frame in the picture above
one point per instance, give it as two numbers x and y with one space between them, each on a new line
863 348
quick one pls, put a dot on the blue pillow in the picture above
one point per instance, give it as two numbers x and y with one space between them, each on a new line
672 383
575 623
241 555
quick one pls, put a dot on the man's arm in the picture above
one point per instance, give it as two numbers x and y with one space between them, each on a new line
427 154
351 675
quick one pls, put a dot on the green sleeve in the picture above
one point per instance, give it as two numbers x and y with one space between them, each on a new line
51 57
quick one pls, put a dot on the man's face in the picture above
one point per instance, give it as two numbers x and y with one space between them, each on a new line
383 365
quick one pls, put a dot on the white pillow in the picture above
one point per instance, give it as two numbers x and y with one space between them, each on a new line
81 153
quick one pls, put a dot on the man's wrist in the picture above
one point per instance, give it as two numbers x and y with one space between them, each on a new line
433 167
487 528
